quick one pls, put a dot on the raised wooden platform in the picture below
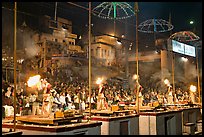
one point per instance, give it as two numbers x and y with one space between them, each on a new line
65 129
48 120
12 133
110 113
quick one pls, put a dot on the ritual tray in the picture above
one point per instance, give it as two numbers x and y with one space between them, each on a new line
48 120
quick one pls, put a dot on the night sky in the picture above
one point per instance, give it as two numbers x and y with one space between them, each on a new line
181 14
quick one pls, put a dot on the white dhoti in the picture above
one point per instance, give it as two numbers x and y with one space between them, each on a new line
47 105
101 103
9 110
35 108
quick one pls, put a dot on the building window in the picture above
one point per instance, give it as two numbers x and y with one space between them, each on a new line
98 52
56 40
65 26
48 49
105 53
102 53
92 52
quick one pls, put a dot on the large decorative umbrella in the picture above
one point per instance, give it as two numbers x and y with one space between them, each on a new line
155 25
184 36
113 10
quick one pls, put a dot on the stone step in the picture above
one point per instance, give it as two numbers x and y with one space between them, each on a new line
189 128
198 133
199 121
199 125
184 133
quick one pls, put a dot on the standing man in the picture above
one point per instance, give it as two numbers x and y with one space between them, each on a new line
36 104
101 98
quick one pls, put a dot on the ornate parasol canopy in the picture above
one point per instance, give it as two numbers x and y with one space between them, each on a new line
155 25
184 36
113 10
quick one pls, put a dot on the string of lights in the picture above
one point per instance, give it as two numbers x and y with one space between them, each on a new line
49 5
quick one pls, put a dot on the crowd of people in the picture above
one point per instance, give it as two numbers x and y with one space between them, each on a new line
74 94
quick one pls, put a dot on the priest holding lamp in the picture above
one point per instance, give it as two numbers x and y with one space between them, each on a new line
101 97
192 94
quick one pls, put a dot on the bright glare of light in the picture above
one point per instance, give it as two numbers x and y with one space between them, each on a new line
184 59
166 81
112 34
119 42
193 88
4 59
32 81
135 76
123 36
99 81
63 29
191 22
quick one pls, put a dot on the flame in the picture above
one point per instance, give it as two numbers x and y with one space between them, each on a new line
32 81
166 81
193 88
99 81
135 76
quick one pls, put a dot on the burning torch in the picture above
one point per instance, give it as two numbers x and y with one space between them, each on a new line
192 93
99 83
166 82
33 81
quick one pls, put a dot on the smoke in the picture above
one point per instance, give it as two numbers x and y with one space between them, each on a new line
24 35
7 29
30 47
191 72
184 72
25 41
